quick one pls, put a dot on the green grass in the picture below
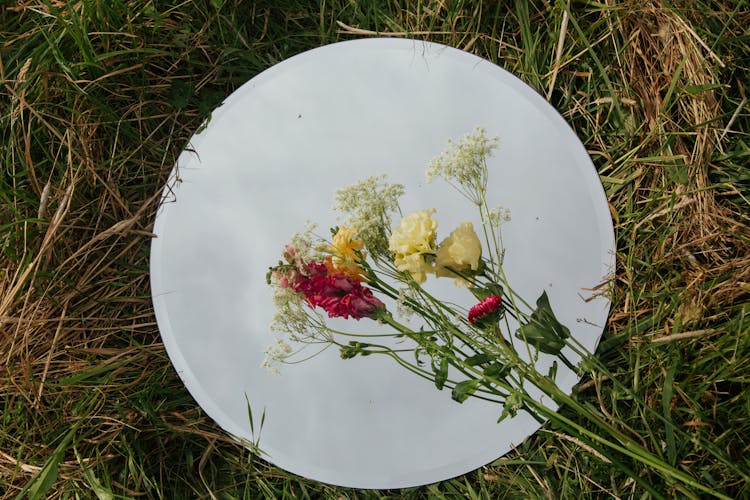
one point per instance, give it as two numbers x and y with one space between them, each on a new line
98 98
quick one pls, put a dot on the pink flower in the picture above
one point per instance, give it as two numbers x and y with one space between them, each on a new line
340 295
486 307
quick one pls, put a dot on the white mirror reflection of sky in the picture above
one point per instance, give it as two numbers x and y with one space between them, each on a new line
272 157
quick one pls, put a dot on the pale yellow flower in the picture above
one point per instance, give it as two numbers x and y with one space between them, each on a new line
412 241
460 251
415 264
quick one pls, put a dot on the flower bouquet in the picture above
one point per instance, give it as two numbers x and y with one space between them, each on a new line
490 350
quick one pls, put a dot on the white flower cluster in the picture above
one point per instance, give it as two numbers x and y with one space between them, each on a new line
368 205
496 216
291 313
463 163
304 246
403 309
276 354
292 318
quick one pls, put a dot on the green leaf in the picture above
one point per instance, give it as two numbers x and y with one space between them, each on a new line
496 371
441 373
45 479
41 483
101 491
354 349
543 330
464 389
666 402
479 359
513 403
482 293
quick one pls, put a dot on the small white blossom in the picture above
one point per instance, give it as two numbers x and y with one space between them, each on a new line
463 164
276 354
496 216
291 314
304 244
403 309
368 205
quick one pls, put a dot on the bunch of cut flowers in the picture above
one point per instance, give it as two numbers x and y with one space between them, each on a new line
474 352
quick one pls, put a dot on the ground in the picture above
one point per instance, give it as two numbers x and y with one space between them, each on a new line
98 99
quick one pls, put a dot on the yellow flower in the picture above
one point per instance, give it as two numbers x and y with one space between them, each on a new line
344 250
460 251
345 246
411 241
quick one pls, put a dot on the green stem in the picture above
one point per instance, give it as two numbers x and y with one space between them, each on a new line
626 446
623 444
579 349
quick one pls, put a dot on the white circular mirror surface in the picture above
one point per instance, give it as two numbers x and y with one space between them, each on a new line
272 156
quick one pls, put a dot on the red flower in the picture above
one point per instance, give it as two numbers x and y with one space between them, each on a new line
340 295
486 307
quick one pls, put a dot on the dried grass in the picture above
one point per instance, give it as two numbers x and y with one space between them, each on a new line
671 73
